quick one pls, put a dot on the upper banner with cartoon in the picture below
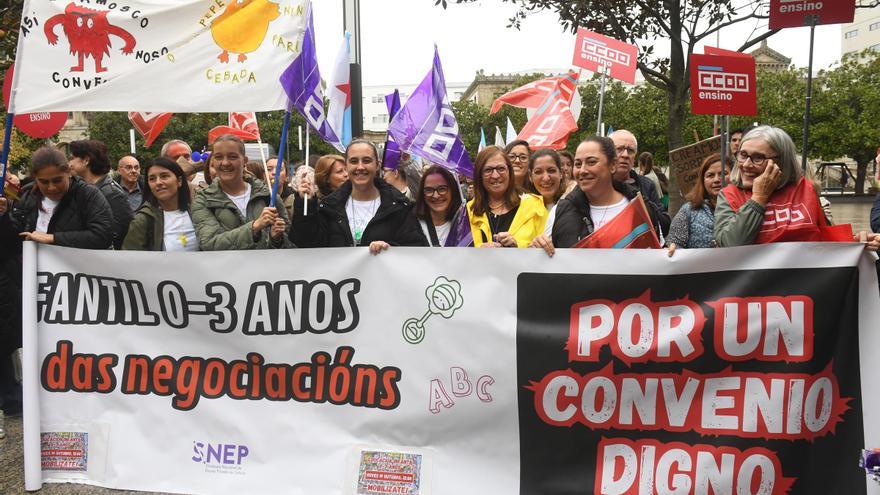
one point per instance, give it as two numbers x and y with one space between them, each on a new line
159 55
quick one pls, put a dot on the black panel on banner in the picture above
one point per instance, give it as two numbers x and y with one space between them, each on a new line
563 459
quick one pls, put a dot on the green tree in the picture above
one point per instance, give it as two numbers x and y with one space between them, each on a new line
846 112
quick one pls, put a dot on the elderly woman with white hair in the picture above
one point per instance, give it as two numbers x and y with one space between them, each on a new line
769 200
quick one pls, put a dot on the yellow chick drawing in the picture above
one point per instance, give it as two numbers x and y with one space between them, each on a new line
242 27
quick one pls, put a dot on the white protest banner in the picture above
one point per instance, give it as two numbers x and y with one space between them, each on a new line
453 371
155 56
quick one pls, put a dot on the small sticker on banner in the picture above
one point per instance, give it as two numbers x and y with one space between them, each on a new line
399 471
65 451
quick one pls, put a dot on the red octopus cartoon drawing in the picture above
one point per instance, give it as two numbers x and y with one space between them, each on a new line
88 33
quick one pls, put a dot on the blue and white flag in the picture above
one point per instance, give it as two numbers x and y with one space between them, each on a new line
302 83
339 88
482 140
426 126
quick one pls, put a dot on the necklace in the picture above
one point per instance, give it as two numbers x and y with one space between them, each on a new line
359 222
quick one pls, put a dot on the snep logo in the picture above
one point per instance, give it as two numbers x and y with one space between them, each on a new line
599 52
220 457
714 83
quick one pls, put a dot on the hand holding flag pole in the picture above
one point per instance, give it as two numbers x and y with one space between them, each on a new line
281 146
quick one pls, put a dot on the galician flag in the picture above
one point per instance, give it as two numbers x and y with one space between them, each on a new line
302 83
426 126
339 89
482 140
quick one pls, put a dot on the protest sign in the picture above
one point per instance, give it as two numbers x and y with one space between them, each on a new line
603 371
723 85
36 125
599 53
685 161
797 13
155 56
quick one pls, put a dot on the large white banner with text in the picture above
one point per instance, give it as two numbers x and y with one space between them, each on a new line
449 371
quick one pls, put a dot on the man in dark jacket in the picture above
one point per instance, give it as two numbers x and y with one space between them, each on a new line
627 148
131 181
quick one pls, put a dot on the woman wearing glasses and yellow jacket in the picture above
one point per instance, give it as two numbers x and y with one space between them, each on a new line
499 215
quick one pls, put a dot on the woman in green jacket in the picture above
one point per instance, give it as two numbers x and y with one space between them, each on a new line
234 212
163 222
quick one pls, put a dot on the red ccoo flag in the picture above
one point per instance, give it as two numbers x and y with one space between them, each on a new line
149 124
241 124
630 229
550 99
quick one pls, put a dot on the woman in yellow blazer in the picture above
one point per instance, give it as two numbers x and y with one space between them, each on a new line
499 216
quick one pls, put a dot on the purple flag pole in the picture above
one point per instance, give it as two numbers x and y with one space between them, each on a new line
4 158
281 148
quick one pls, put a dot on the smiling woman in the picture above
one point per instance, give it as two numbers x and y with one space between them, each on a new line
693 225
163 222
364 211
437 202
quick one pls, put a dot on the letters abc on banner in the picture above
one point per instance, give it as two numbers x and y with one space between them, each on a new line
593 51
796 13
723 85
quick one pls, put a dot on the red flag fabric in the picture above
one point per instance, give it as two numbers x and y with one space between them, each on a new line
630 229
550 98
793 214
149 124
241 124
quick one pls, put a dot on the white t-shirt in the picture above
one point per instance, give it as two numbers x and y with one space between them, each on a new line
604 214
45 215
180 234
359 215
551 219
242 199
441 230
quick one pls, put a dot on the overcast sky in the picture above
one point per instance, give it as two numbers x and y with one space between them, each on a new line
398 37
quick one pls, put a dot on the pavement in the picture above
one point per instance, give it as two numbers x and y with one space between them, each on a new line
844 210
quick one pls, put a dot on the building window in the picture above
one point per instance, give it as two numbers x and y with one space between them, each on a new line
875 26
851 34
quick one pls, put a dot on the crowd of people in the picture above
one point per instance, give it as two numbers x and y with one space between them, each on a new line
518 198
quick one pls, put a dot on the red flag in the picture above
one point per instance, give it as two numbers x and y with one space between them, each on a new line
550 98
241 124
630 229
149 124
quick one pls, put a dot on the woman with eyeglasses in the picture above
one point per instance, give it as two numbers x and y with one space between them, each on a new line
519 153
364 211
499 215
437 202
770 180
693 226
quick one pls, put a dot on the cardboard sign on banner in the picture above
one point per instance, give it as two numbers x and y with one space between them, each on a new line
593 51
796 13
685 161
39 125
723 85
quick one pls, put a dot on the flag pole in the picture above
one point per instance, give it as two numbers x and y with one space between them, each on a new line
601 103
806 148
281 146
4 157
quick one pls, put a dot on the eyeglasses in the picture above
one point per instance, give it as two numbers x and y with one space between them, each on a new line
130 167
628 149
488 171
756 158
439 191
518 158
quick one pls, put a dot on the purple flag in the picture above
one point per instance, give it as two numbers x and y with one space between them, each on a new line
460 234
302 83
391 156
426 126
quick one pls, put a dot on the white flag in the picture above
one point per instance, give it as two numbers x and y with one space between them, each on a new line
155 55
511 132
499 138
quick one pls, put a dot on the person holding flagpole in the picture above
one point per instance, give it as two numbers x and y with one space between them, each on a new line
499 215
234 212
364 211
597 199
